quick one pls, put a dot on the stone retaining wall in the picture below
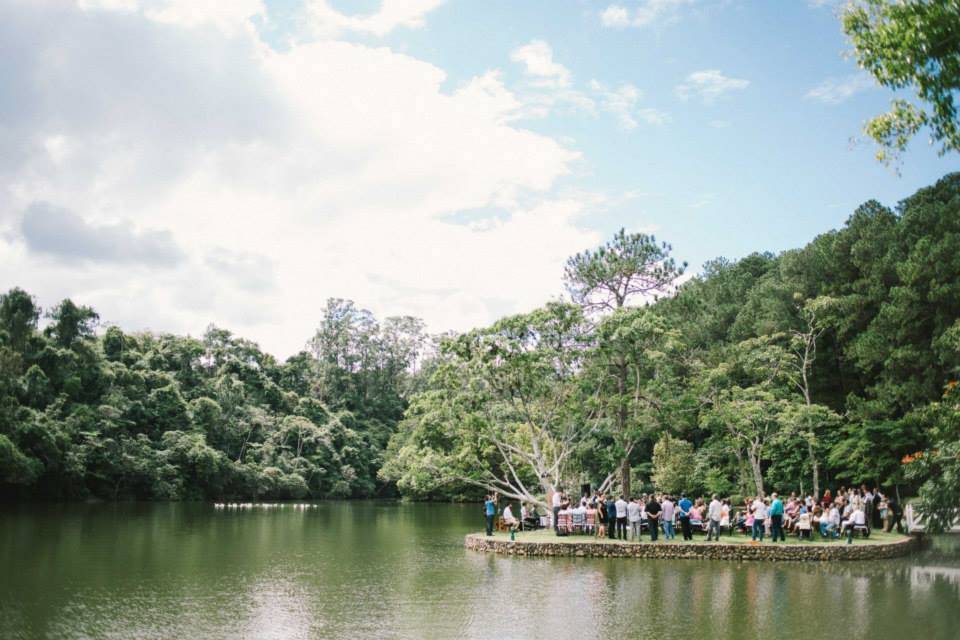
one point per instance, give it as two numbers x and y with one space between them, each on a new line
703 551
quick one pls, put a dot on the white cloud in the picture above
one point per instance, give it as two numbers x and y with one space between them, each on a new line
108 5
837 90
392 14
271 179
615 16
709 85
537 57
646 13
228 16
622 102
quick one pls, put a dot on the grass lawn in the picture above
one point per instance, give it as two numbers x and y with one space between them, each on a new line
547 535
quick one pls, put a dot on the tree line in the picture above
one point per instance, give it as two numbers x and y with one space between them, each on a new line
117 415
833 364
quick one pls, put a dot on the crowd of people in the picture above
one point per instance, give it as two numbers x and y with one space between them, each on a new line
852 511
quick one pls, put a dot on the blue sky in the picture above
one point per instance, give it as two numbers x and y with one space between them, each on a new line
764 168
177 163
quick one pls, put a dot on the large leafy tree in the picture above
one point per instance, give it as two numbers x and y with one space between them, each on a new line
498 413
628 268
910 45
633 374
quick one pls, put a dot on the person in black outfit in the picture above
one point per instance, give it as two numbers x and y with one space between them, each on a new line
896 515
653 518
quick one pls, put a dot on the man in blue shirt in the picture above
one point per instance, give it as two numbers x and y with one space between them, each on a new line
611 506
776 519
685 505
490 510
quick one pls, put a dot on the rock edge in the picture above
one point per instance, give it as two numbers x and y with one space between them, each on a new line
699 550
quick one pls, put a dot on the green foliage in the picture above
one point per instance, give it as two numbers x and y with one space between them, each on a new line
674 462
149 416
627 266
910 44
804 370
821 366
938 466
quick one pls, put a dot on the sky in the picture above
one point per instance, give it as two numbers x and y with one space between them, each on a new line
181 163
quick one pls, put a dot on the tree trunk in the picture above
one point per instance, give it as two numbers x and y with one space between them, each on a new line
757 473
625 477
622 427
814 463
741 480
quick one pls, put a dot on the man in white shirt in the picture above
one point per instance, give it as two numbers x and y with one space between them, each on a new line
857 519
668 512
621 505
508 518
633 517
759 510
714 513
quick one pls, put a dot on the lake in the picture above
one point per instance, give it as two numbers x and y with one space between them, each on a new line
392 570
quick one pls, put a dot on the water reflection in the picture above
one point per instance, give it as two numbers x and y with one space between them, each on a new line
399 571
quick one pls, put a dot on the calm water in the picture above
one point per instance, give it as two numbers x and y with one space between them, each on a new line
385 570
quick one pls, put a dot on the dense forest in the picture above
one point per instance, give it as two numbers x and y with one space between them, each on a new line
828 365
119 416
831 364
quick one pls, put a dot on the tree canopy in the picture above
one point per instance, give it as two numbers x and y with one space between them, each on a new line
818 367
147 416
910 45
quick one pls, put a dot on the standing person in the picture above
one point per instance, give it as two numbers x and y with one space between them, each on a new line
621 507
611 517
633 516
557 505
601 516
684 507
669 510
879 504
776 519
868 498
653 515
759 511
896 514
490 511
714 515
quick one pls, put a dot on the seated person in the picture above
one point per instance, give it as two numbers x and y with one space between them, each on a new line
830 523
804 525
509 519
532 519
790 514
725 515
696 516
857 519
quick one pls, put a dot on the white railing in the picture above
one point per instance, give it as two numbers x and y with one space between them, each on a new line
915 521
